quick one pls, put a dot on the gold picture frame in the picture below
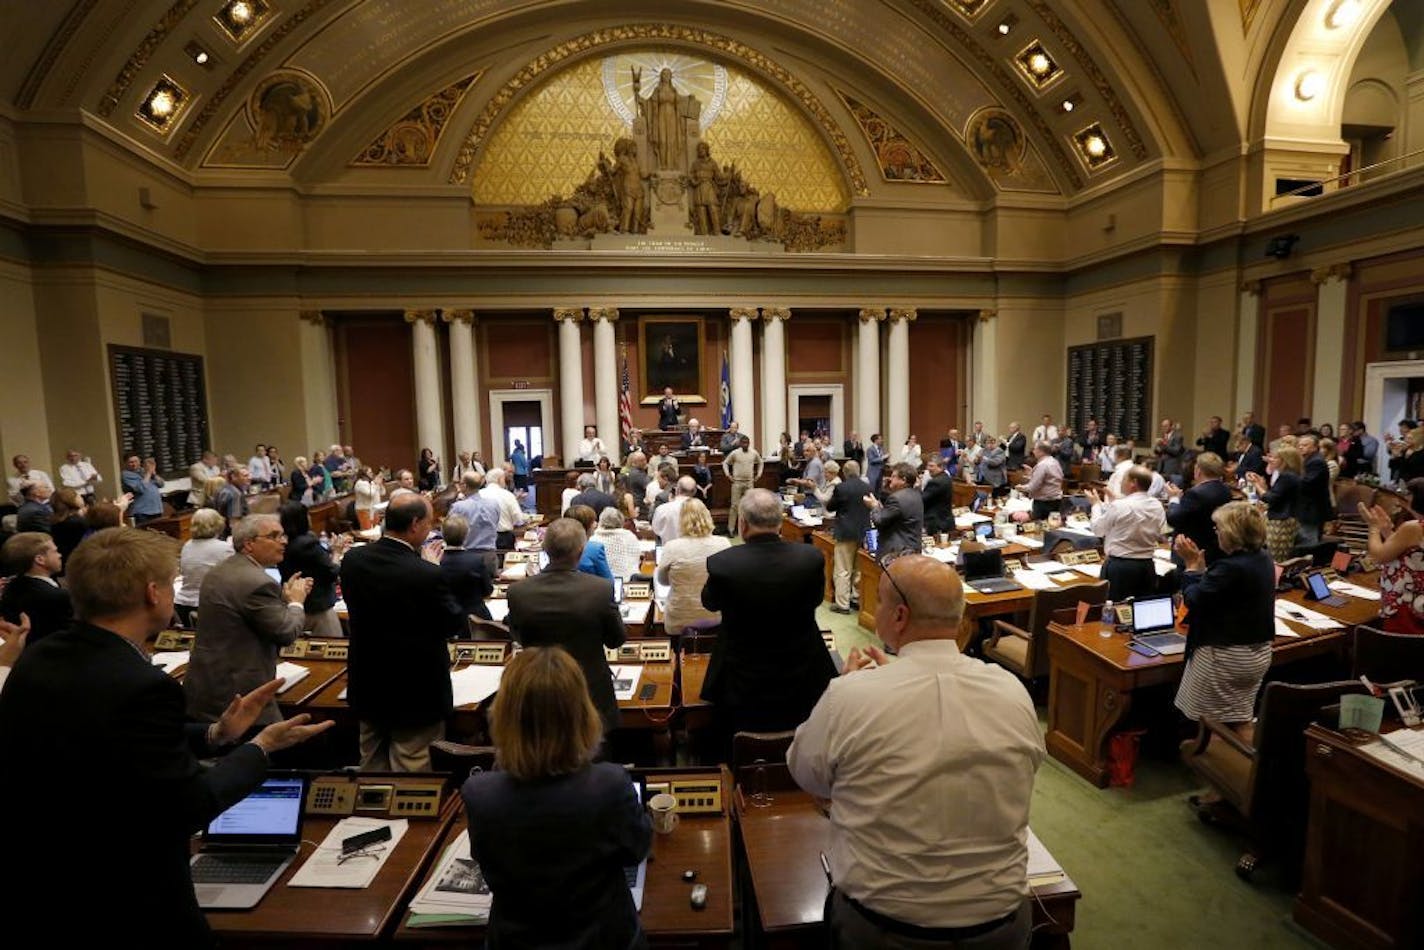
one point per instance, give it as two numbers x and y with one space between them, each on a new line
671 350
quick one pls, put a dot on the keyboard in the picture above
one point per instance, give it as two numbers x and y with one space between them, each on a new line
236 868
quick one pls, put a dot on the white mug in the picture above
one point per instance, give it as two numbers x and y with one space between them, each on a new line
663 808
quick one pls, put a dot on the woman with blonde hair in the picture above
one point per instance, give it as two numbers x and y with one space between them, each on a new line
1280 490
369 492
684 568
583 818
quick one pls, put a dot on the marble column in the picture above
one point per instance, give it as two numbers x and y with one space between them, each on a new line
773 367
1330 316
1247 327
985 405
429 421
867 373
570 383
740 369
464 382
318 379
605 378
897 388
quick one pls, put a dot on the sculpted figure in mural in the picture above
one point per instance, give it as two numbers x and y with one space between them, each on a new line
708 182
742 200
665 113
628 181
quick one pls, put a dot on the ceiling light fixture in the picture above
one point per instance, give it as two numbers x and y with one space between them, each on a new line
200 58
238 18
1308 85
162 104
1093 147
1038 66
241 12
1344 14
1005 27
1069 104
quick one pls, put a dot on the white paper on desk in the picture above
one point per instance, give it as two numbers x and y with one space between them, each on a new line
645 546
1406 739
625 681
945 555
1043 868
513 571
457 885
322 869
498 608
474 684
1092 570
171 660
1074 529
970 519
1012 505
1162 554
1355 590
1064 577
291 674
1300 614
1162 567
1049 567
1033 544
1033 580
1284 631
635 611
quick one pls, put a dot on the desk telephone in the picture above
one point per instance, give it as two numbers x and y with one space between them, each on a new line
301 649
1080 557
485 653
175 640
640 651
637 590
695 794
387 796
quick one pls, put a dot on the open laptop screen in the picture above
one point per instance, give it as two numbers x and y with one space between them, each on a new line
1319 586
1152 614
270 814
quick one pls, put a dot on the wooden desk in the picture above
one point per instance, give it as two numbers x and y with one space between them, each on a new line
655 713
692 673
700 842
323 674
327 916
548 485
825 542
1364 850
795 531
1092 678
783 843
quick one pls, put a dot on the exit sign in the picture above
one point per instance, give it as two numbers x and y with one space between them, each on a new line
521 384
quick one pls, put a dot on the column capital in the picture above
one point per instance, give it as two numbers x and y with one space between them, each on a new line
868 314
420 316
1252 287
986 315
596 314
743 313
571 314
466 317
907 314
775 313
1340 272
314 317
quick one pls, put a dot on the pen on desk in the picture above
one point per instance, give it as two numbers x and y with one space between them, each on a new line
1374 690
826 866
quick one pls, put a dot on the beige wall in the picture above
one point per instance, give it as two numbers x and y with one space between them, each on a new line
24 424
1030 362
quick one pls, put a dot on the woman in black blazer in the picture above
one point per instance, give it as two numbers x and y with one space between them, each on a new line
552 831
1280 490
1230 617
306 556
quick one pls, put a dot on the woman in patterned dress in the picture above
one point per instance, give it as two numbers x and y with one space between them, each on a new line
1399 551
1279 489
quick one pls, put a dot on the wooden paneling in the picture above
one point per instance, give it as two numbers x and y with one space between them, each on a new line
1286 352
1375 286
939 352
816 349
377 390
520 349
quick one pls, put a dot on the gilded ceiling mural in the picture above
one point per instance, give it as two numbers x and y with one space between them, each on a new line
412 139
898 159
548 142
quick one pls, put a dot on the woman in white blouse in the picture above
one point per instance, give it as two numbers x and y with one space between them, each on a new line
911 453
620 544
201 553
684 568
369 492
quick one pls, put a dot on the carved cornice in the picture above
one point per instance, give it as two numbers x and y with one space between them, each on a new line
775 313
1252 287
867 314
140 56
571 314
56 45
426 317
467 317
589 42
743 313
314 317
907 314
1341 272
986 315
596 314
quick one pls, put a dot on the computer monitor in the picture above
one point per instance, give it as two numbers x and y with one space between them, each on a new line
1152 614
983 530
270 814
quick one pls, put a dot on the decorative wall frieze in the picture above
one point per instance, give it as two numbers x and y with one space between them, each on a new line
413 138
898 158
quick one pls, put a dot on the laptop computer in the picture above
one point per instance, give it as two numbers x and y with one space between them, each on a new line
637 875
246 848
1320 591
984 572
1154 621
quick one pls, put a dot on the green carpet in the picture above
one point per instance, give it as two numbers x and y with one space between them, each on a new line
1151 874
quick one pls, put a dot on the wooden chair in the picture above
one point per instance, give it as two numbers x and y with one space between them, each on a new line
459 761
481 629
1383 656
1024 652
1259 771
759 760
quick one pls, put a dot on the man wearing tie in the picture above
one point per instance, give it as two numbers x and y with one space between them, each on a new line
855 449
668 410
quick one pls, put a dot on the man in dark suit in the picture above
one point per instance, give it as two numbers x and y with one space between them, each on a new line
1313 505
1189 512
1253 430
852 521
1015 448
900 519
35 513
769 666
938 497
588 494
31 560
854 450
668 410
99 731
1251 460
694 437
246 618
401 614
467 572
562 607
1214 438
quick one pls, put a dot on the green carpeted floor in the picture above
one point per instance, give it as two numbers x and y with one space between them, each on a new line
1152 876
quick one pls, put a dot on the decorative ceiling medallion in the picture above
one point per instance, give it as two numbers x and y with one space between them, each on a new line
969 9
690 76
163 104
287 111
1093 147
412 139
898 159
996 140
239 18
1037 66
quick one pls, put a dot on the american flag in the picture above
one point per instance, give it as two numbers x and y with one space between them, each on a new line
625 402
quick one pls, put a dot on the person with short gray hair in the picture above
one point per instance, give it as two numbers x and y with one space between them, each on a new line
621 545
470 578
204 550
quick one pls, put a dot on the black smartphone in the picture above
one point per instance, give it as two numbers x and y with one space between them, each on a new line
647 691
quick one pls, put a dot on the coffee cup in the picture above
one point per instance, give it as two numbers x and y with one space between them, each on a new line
663 808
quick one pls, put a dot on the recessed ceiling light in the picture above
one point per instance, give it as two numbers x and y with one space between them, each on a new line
238 18
1093 147
241 12
1037 66
1005 27
1343 14
1309 85
162 104
1069 105
200 58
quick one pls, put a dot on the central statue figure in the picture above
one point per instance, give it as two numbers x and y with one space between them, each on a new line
665 113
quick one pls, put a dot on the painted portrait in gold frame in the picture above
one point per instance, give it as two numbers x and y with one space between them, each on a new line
670 354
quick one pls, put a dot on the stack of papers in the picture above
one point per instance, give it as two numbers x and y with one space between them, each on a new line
1049 567
1032 543
1092 570
1043 868
1355 590
456 892
635 611
513 571
1012 505
1282 630
969 520
291 675
1316 621
475 684
171 660
625 681
1407 752
1034 580
946 555
324 869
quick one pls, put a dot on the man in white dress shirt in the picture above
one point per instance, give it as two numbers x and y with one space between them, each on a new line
511 515
591 446
928 761
23 474
259 468
1045 431
1131 526
79 473
667 518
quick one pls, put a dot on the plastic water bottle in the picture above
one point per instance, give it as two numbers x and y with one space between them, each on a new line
1109 621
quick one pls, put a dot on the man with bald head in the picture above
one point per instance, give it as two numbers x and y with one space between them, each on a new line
401 614
1313 505
928 760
